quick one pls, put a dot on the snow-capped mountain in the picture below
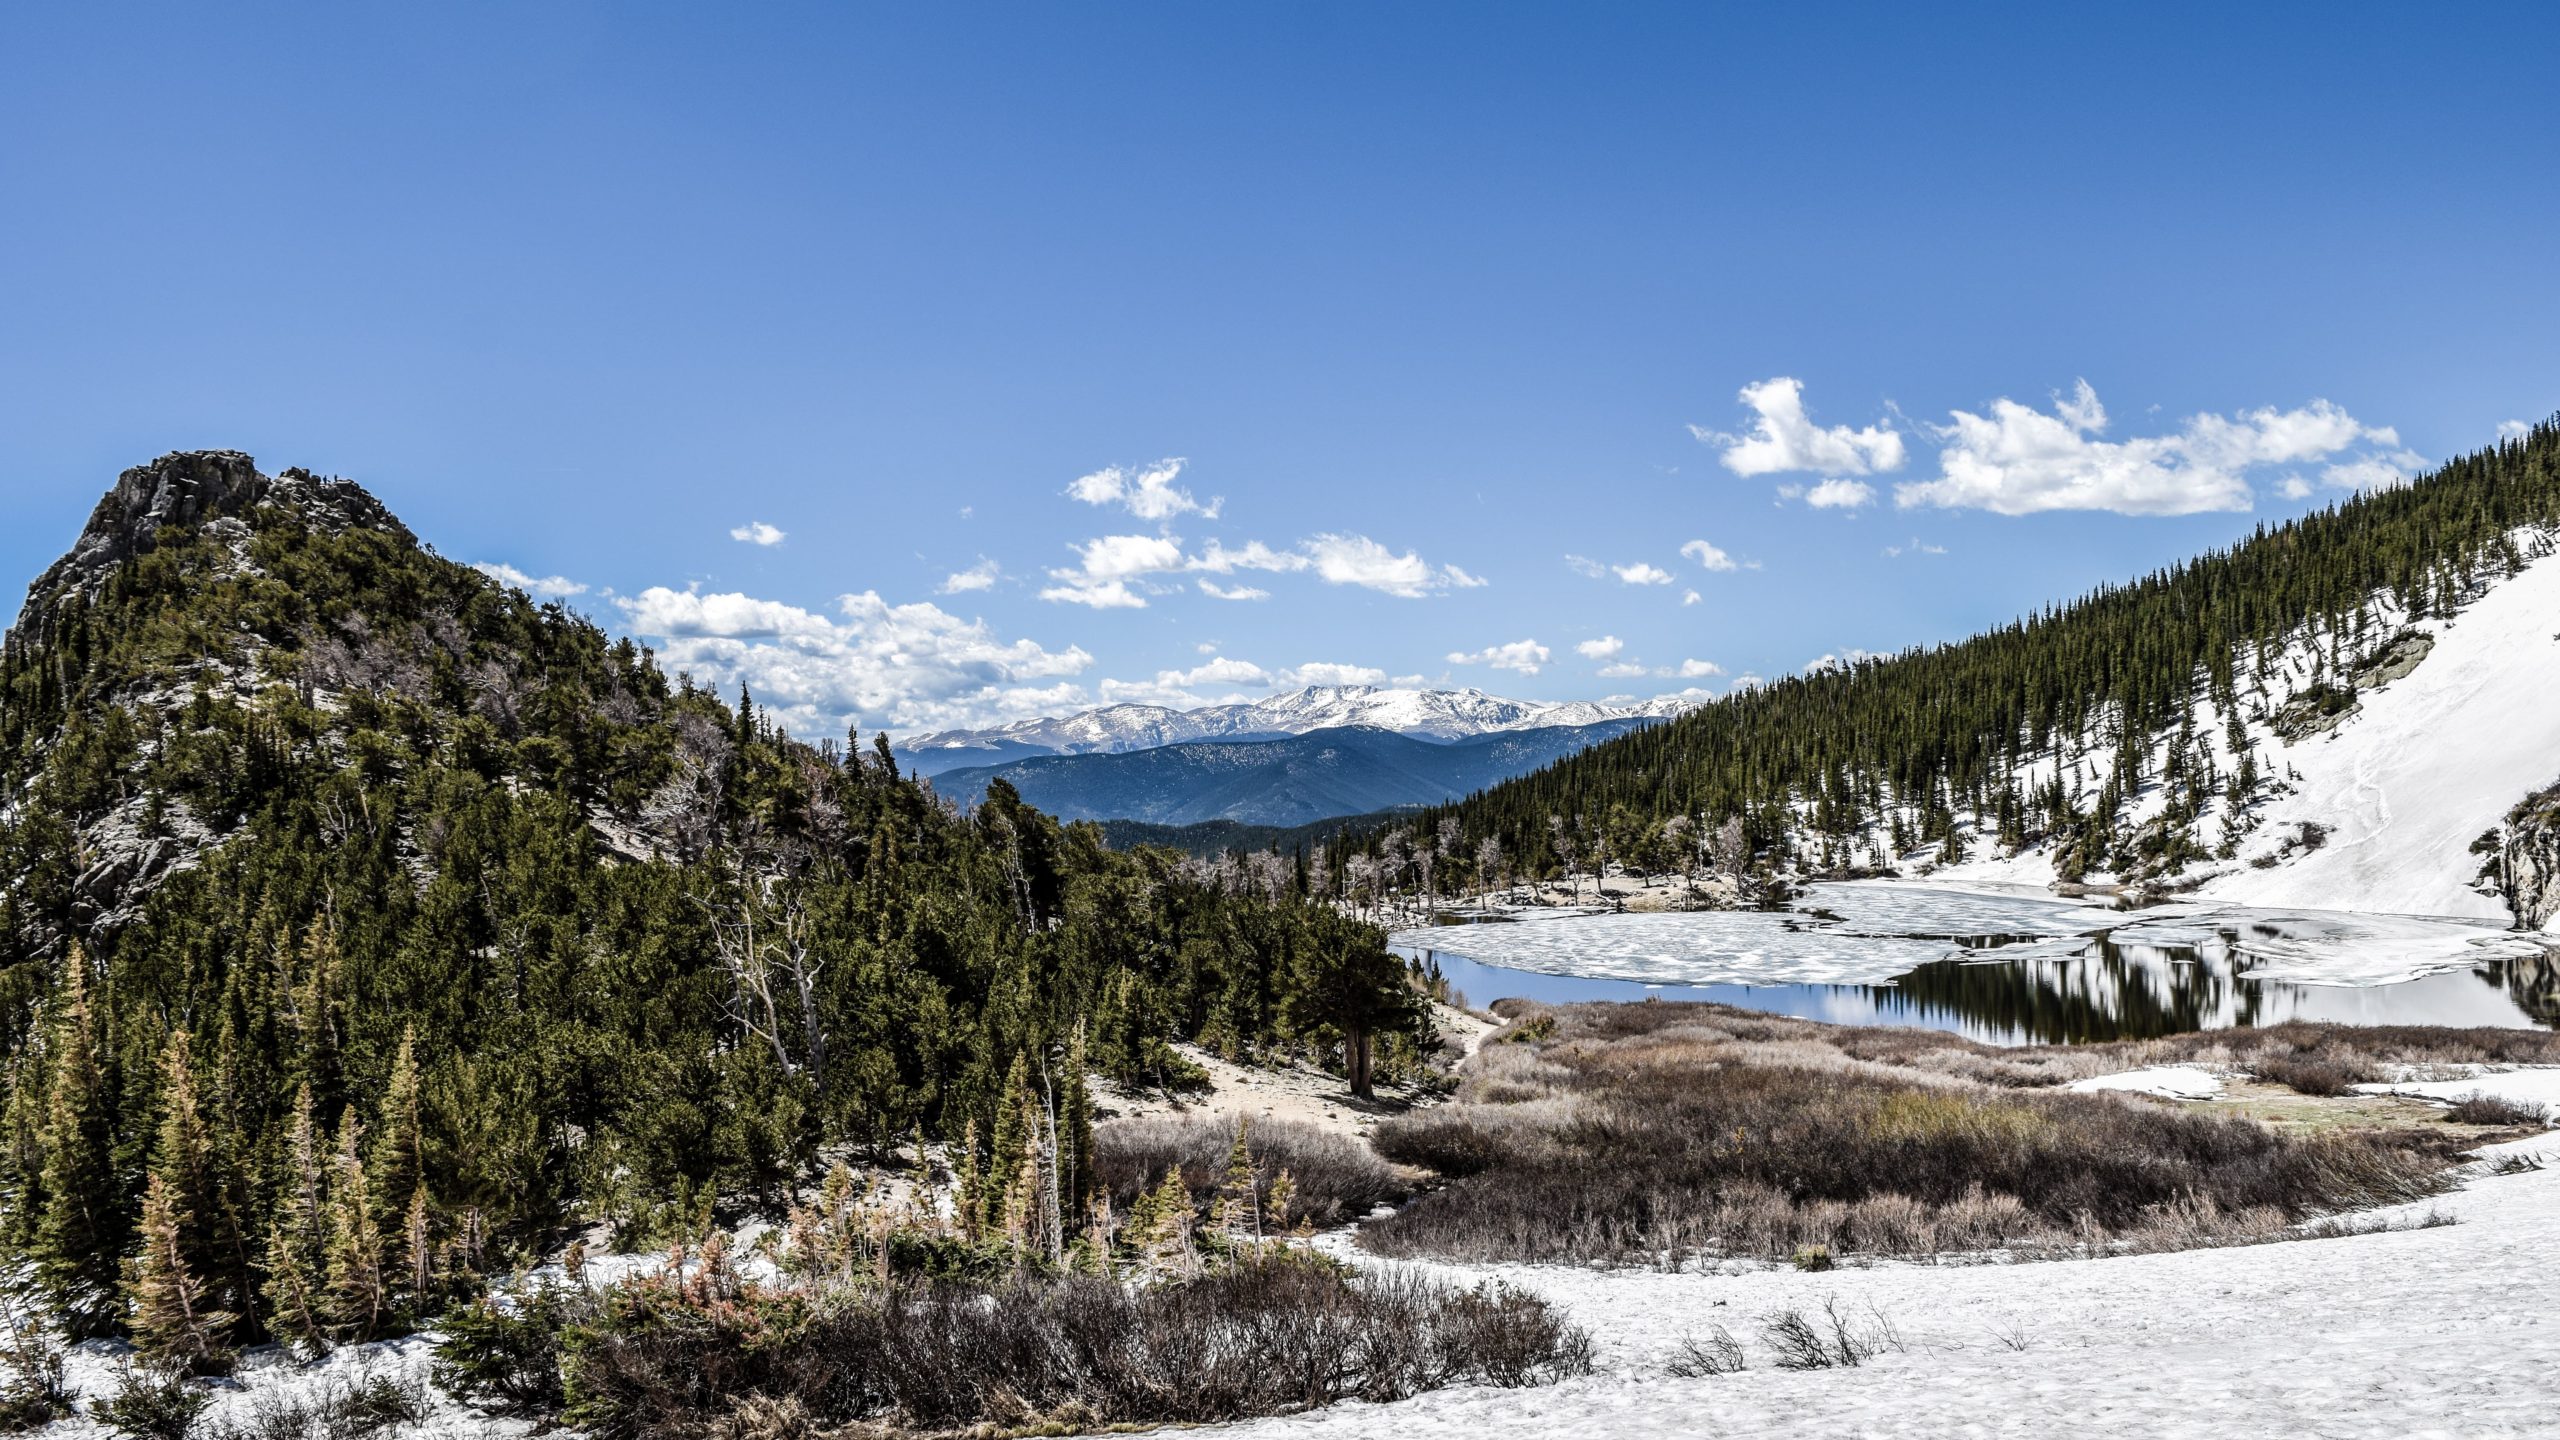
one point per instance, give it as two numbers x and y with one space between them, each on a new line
1423 714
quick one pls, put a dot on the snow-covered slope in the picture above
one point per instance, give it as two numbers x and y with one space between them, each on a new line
1425 714
2426 765
2381 807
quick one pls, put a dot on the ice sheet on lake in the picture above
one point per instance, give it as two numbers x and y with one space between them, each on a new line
1870 932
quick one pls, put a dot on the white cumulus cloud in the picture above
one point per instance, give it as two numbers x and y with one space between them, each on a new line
1698 669
899 667
549 587
1107 565
1622 670
1216 591
756 532
1359 560
1326 672
1783 439
1600 649
1708 556
1147 491
981 576
1642 573
1840 495
1524 656
2018 460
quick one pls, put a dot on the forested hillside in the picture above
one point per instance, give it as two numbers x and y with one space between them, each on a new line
2136 733
364 924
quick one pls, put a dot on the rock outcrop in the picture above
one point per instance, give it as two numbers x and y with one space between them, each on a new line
201 489
2528 863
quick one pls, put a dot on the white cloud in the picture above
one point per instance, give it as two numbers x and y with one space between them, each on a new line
2017 460
1698 669
1223 670
1325 672
1839 660
756 532
2513 429
1600 649
2372 472
1708 556
1525 656
981 576
1148 491
1108 564
1917 546
1784 439
1691 598
1638 572
549 587
1359 560
901 667
1215 591
1219 560
1622 670
1840 495
2294 487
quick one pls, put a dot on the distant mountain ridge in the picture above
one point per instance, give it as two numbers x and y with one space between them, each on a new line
1115 729
1290 781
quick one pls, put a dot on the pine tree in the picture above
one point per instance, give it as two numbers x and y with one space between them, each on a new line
82 1231
358 1301
1158 1230
1239 1196
203 1192
298 1240
175 1329
396 1172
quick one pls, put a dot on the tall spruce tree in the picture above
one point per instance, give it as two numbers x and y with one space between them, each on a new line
83 1228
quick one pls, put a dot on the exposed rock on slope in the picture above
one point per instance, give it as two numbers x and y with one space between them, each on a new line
2527 866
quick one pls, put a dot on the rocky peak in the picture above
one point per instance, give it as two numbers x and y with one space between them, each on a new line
196 489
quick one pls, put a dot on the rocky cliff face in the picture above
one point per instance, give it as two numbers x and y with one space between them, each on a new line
217 491
2528 862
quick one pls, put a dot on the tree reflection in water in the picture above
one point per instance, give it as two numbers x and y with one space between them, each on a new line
2110 991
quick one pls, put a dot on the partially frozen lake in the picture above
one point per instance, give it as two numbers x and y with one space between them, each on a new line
2017 967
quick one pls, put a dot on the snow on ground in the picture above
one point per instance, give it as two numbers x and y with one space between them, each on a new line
2531 1085
267 1377
2446 1331
2170 1082
2434 759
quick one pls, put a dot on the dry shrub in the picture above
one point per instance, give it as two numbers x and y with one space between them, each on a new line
2496 1110
1337 1179
1271 1338
1668 1143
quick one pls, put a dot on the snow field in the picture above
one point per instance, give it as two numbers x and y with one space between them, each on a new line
2423 1332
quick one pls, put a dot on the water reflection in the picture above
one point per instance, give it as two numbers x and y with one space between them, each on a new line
2110 991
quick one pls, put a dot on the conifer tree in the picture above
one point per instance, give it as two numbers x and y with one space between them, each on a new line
358 1301
1239 1196
175 1329
203 1194
82 1231
298 1239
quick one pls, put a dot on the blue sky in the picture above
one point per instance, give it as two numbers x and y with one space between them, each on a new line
1450 309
